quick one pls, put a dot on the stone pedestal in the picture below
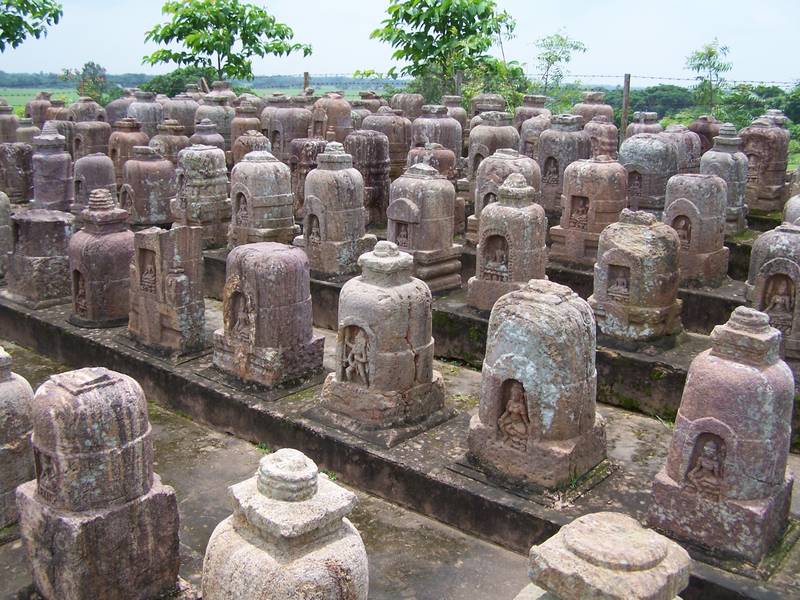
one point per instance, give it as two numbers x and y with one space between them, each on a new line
289 534
287 125
725 486
607 555
494 132
563 143
302 160
261 197
16 457
766 146
249 141
126 136
94 488
650 161
331 113
92 172
396 126
148 187
689 147
53 186
202 182
436 126
171 139
536 423
16 171
511 248
384 377
370 152
643 122
38 267
635 295
603 135
267 336
335 218
90 137
591 105
420 214
529 134
594 194
727 162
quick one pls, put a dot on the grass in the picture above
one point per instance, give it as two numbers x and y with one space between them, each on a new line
17 97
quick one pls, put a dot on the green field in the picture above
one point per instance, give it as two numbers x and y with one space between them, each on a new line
17 97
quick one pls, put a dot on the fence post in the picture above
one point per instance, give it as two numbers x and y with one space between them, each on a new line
626 99
306 80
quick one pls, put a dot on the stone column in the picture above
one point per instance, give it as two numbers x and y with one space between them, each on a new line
202 182
288 537
53 186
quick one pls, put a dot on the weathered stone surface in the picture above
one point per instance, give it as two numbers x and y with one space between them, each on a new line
86 109
536 422
290 534
791 210
16 457
511 244
126 135
182 108
643 122
117 109
335 218
359 112
773 280
491 174
607 556
372 100
147 111
26 131
94 487
202 182
53 186
8 123
398 128
563 143
409 104
384 376
223 89
726 161
92 172
287 125
273 103
688 145
331 119
246 119
38 268
216 108
170 140
420 221
64 128
370 152
206 134
591 106
303 160
16 171
494 132
36 109
725 485
603 135
99 264
766 145
267 336
90 137
695 208
167 310
6 236
435 125
249 141
148 187
635 294
650 161
440 158
707 127
57 112
486 102
455 109
594 194
532 106
261 197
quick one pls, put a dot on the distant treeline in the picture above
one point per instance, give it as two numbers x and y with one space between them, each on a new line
54 80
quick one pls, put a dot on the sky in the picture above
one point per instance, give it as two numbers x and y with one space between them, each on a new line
622 36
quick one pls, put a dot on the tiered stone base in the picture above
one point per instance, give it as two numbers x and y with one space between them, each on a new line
38 281
710 269
573 245
267 366
740 529
440 269
549 464
125 551
635 324
482 294
330 259
385 418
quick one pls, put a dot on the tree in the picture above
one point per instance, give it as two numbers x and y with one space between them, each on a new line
709 64
440 38
175 82
555 53
20 19
223 34
92 80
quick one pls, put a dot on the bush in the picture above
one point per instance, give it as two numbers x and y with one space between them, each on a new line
175 82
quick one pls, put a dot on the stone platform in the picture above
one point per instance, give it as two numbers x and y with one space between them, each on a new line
421 473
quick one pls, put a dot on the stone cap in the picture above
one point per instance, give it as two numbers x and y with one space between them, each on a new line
130 123
102 208
388 110
172 127
49 137
496 118
5 107
25 121
600 119
536 100
246 108
601 158
506 154
594 96
277 97
335 157
314 501
143 96
43 215
434 110
183 96
192 87
452 99
747 338
676 128
762 121
385 258
728 136
145 153
369 95
566 121
422 171
205 127
515 190
645 116
637 217
57 102
609 555
215 99
220 85
259 156
776 116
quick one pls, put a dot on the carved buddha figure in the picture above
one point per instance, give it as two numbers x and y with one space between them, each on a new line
619 283
683 226
705 474
356 359
80 294
579 217
402 235
314 235
514 422
550 171
779 302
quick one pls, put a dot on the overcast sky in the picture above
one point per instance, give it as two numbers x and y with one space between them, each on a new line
643 38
